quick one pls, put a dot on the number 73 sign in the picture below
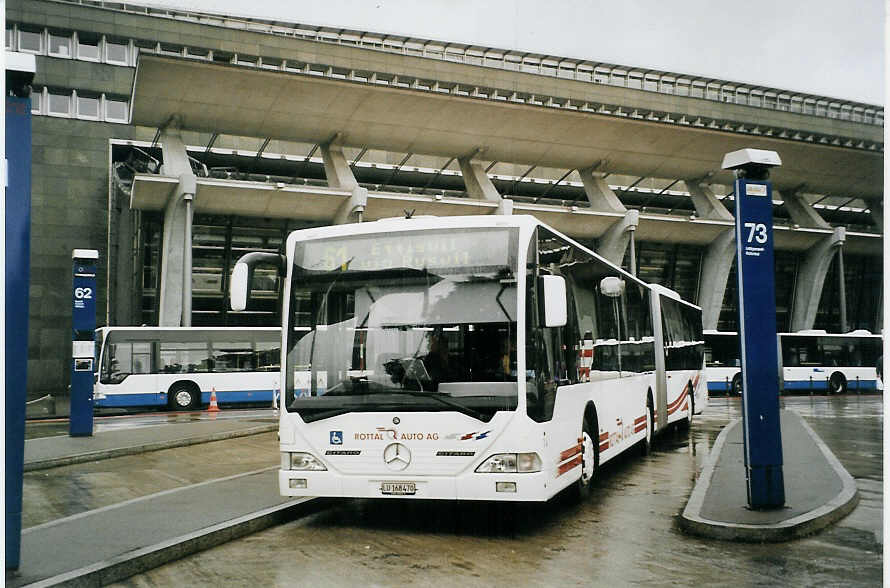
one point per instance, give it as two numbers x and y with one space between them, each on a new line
757 334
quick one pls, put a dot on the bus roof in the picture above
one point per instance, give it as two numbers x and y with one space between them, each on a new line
428 222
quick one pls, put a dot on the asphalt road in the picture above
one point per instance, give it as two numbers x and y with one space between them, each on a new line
625 534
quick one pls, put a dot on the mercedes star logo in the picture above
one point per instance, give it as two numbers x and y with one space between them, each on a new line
396 456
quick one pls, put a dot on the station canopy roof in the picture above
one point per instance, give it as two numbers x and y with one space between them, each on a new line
237 100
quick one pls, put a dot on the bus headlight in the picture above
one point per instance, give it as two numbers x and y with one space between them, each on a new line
510 463
301 461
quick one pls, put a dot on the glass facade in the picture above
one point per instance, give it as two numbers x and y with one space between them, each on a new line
218 243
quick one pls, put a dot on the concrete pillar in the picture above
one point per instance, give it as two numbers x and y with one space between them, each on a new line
802 212
175 251
353 209
599 193
714 275
505 206
478 183
340 176
811 278
706 203
613 244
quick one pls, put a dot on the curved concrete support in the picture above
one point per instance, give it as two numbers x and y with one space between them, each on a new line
613 244
340 176
477 182
176 246
599 193
706 203
801 211
336 169
811 278
714 275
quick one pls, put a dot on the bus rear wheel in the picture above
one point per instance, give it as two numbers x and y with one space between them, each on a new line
736 387
646 443
183 397
837 383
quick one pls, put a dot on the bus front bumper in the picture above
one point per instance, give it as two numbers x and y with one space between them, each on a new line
526 487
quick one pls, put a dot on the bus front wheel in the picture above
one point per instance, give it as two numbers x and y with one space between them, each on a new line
837 383
590 459
183 397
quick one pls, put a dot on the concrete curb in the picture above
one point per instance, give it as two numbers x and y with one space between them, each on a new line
147 558
808 523
43 464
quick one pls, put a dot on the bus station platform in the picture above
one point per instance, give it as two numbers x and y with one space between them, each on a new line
818 490
112 542
49 452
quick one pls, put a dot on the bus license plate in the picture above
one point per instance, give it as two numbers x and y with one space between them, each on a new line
398 488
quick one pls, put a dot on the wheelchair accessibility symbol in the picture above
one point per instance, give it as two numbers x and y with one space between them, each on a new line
336 437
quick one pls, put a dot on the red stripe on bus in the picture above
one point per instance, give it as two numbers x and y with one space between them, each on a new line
678 400
639 420
570 452
568 465
604 446
673 406
604 436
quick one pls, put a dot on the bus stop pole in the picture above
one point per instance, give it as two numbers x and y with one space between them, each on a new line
757 326
16 241
83 341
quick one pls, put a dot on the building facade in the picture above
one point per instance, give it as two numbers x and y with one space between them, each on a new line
104 170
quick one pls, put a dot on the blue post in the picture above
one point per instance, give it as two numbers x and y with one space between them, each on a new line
757 327
83 337
18 277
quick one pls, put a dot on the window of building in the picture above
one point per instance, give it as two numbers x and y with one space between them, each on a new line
31 41
87 106
58 103
60 45
10 39
117 52
116 110
36 102
87 46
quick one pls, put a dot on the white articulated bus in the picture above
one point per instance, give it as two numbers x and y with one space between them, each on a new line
481 358
179 367
811 361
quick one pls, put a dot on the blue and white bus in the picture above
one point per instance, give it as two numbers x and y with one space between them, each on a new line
179 367
811 361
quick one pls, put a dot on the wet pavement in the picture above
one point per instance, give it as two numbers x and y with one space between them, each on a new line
65 491
626 533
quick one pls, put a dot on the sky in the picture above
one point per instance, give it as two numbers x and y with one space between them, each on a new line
824 47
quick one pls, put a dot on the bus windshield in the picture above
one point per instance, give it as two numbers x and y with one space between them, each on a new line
413 321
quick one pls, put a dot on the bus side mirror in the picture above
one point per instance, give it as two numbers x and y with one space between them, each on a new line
242 274
553 296
239 287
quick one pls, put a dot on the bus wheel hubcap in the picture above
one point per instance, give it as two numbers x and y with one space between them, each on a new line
183 398
587 459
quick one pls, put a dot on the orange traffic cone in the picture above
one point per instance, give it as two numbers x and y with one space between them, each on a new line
214 407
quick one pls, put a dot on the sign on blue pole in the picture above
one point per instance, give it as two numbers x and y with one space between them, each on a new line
83 345
757 337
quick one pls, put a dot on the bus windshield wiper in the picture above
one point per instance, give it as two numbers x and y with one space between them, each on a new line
444 399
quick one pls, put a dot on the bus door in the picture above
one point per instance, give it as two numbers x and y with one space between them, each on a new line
661 413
